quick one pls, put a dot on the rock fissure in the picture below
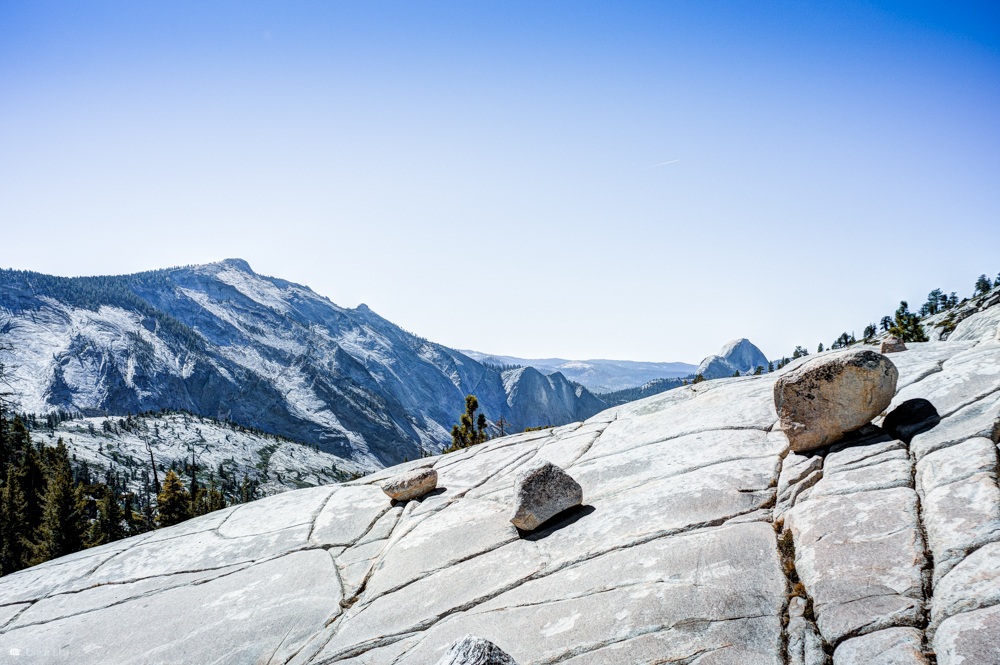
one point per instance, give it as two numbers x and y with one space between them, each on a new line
678 436
358 649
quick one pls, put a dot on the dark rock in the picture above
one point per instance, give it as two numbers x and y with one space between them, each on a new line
472 650
542 491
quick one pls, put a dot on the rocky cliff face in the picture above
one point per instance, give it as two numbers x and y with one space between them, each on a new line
697 526
221 340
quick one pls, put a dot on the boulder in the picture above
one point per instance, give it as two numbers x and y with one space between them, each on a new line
472 650
410 485
891 344
541 491
824 398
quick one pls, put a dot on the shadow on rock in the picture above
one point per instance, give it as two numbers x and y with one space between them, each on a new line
911 418
430 495
560 521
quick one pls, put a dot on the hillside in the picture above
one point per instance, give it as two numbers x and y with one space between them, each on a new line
222 341
702 539
223 452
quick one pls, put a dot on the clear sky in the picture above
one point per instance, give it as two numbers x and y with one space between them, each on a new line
491 175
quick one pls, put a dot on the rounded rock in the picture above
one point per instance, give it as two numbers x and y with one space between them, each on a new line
892 344
825 398
411 485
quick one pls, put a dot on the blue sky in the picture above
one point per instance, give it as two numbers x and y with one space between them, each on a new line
484 174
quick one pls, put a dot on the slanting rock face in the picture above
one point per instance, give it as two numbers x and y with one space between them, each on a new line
541 492
471 650
675 557
824 398
411 484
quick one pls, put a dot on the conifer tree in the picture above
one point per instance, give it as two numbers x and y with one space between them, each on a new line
13 532
173 503
472 431
906 325
108 526
983 286
64 518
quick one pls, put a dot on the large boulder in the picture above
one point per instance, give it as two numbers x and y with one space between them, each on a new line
472 650
542 491
826 397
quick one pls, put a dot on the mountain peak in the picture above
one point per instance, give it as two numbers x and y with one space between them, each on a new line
238 264
737 355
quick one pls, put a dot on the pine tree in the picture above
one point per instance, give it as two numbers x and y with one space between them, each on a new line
13 532
870 331
906 325
472 431
933 303
173 503
31 474
819 349
770 366
108 527
64 518
983 286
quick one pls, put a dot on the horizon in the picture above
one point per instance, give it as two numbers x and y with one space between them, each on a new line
590 182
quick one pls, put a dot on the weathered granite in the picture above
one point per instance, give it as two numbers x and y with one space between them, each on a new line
861 558
893 646
971 585
970 638
980 326
805 645
674 557
832 395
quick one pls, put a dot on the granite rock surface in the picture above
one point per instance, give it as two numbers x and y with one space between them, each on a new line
679 554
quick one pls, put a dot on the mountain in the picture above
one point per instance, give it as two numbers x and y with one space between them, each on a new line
222 341
596 375
739 355
701 539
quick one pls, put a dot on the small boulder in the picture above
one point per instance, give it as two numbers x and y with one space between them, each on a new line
891 344
824 398
472 650
541 491
411 484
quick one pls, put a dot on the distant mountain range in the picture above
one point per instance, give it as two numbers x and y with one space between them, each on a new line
610 376
222 341
596 375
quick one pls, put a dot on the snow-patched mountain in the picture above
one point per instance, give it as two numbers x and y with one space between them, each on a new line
221 340
599 375
739 355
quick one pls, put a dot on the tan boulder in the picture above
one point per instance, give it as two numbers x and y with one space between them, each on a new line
892 344
825 398
411 485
